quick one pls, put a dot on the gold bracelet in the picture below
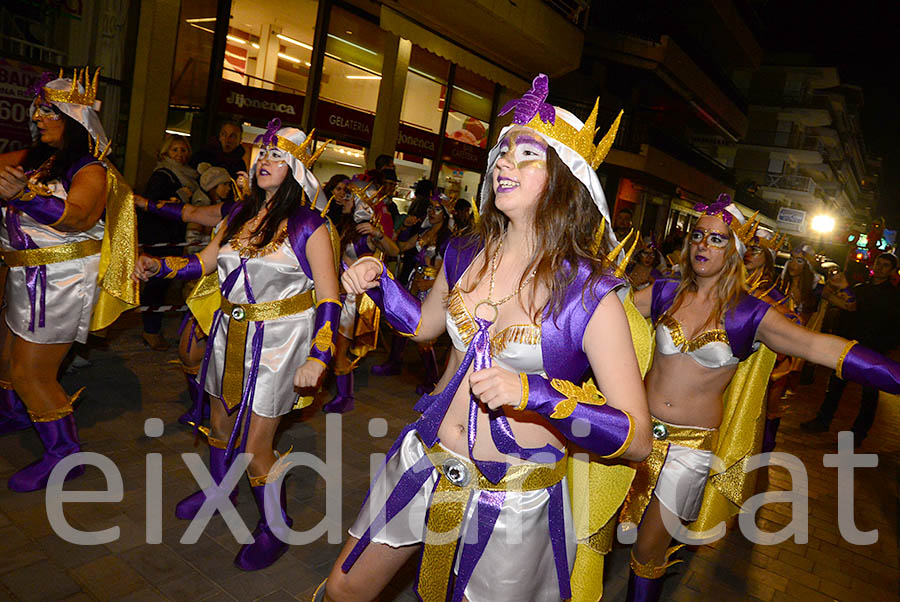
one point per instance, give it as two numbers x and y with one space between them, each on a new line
523 378
25 195
840 363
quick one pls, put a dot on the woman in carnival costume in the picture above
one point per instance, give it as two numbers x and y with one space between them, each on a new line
369 232
270 263
714 352
69 240
219 199
480 479
647 266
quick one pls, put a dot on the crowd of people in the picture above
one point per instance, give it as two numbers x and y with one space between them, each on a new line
565 336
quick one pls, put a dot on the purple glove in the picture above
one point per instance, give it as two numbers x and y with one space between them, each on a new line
170 210
601 429
328 317
869 368
48 210
402 311
180 268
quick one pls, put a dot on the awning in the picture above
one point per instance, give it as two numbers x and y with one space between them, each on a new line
399 25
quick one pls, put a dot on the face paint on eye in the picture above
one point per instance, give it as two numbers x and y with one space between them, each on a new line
713 239
525 151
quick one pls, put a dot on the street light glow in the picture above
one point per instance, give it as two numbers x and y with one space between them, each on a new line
823 223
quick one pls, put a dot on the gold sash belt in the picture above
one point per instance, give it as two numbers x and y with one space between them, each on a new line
241 315
460 477
648 471
47 255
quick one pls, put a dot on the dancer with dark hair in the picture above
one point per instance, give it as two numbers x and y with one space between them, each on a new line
262 267
69 241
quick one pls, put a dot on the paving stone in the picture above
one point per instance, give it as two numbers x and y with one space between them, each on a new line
108 578
39 582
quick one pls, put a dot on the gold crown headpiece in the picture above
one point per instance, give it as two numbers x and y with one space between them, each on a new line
88 94
613 255
775 243
533 112
299 151
746 231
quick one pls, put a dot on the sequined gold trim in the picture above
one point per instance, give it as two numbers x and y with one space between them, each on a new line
716 335
840 363
587 393
528 334
648 571
250 251
48 255
56 413
269 310
73 95
323 340
523 378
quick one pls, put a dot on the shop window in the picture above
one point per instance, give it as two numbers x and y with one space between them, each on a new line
354 53
470 108
458 183
270 47
340 158
193 49
426 86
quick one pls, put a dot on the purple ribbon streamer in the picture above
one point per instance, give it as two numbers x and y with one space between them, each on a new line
489 505
34 275
558 540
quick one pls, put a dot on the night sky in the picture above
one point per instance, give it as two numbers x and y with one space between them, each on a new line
861 38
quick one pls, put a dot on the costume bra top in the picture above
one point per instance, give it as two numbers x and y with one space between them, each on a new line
517 347
710 349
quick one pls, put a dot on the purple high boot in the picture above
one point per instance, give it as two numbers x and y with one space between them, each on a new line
431 370
641 589
771 429
13 415
394 363
343 400
60 439
199 410
266 547
187 508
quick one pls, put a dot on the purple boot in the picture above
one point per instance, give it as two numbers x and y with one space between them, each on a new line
771 429
60 439
13 415
641 589
343 400
187 508
431 371
266 547
199 410
394 363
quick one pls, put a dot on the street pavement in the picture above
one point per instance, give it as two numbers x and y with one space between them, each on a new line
128 383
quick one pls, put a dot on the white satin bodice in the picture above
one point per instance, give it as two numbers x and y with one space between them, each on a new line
710 349
516 348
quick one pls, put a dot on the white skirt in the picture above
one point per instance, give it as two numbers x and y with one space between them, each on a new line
517 564
682 480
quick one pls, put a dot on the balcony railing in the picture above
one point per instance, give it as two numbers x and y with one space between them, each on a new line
795 182
575 11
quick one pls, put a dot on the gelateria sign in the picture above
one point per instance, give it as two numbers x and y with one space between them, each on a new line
343 122
261 105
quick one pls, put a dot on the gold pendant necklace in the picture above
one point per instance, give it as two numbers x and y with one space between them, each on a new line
495 305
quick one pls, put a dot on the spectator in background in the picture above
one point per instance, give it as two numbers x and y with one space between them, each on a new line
874 323
462 217
341 207
622 223
216 186
383 162
387 193
225 150
173 179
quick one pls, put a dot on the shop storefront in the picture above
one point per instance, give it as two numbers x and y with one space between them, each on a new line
274 60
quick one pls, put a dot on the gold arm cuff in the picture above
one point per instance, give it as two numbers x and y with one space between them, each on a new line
648 571
61 217
269 310
329 300
200 259
315 359
840 363
5 384
627 443
192 370
56 413
523 379
48 255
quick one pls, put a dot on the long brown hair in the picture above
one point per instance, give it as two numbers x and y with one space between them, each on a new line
731 285
564 227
